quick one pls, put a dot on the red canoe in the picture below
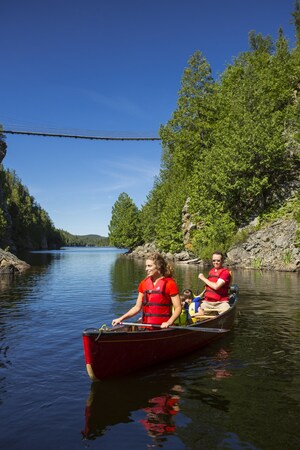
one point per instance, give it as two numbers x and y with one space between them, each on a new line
124 349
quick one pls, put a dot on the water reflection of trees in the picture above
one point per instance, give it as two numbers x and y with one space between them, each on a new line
126 274
15 291
18 284
40 259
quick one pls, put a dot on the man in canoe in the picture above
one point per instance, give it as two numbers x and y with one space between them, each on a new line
158 297
216 296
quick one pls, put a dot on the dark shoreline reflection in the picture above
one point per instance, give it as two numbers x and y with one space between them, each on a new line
39 262
40 258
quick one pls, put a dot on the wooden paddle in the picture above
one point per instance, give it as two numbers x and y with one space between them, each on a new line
203 329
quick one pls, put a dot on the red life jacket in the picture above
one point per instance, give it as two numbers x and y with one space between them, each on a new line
156 303
219 295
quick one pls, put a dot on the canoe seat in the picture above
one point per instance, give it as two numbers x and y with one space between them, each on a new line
211 315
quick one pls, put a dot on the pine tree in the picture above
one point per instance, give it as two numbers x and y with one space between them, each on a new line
124 227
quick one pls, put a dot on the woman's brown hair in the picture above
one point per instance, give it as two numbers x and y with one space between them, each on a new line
162 265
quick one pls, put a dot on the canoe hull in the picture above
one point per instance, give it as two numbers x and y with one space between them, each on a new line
118 352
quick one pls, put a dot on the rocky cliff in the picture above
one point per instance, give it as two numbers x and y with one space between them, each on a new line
273 247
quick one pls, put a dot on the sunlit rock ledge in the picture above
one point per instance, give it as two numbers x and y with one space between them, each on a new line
10 264
143 251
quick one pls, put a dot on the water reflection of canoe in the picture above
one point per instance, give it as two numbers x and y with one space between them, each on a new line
124 349
156 406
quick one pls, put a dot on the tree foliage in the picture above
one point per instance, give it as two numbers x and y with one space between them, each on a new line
124 227
31 226
185 136
231 146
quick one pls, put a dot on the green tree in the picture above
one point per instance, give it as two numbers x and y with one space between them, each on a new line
296 21
31 226
254 94
232 146
249 165
184 138
188 132
151 211
124 227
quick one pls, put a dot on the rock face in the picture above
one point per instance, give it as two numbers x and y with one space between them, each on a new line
10 264
187 225
270 248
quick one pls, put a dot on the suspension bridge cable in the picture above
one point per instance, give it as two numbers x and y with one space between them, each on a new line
79 136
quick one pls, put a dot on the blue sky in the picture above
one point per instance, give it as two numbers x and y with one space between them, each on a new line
111 67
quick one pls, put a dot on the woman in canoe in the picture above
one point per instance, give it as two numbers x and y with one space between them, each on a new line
158 297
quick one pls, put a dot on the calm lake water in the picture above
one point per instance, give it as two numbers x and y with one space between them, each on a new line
241 392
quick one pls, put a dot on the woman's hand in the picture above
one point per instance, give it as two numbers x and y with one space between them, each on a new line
165 325
116 322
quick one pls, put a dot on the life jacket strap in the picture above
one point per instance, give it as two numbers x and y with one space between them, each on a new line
157 304
156 315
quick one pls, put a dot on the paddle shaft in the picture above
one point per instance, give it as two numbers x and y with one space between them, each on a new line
203 329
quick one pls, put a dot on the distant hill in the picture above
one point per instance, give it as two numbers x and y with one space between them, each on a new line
88 240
